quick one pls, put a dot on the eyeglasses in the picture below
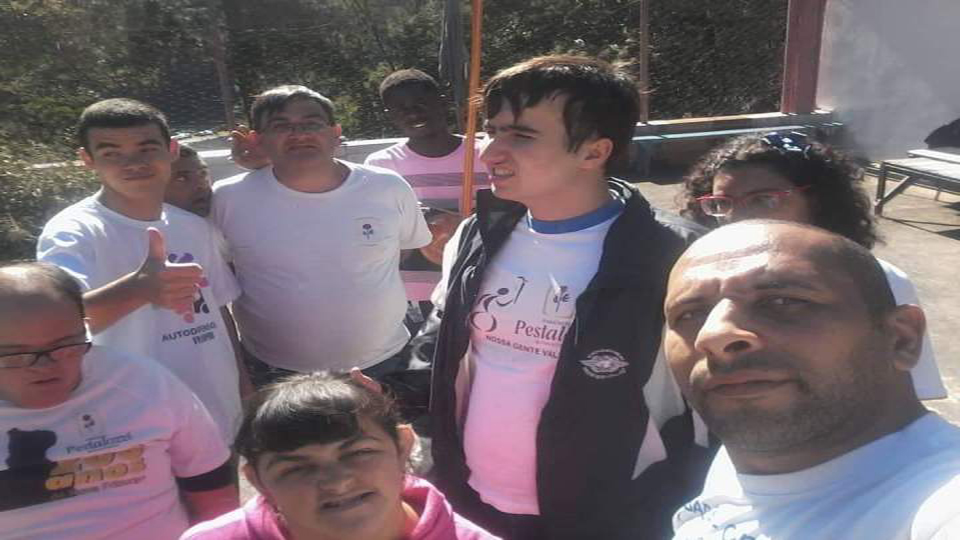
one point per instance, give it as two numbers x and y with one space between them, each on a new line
286 128
721 206
200 176
63 353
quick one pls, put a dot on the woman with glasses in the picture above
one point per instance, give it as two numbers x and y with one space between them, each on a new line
789 178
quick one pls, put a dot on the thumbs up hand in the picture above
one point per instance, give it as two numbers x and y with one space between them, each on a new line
169 285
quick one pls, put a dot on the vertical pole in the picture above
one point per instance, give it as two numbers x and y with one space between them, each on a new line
218 53
643 61
801 57
473 104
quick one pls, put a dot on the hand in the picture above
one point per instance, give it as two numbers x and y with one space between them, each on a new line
245 151
358 377
169 285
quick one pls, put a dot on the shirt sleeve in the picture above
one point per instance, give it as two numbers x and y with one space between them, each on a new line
450 250
414 232
222 281
196 446
65 246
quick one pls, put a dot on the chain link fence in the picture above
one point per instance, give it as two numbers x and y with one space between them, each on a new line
201 61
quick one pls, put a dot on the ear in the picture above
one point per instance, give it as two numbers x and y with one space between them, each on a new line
250 473
338 130
85 157
174 149
906 325
596 152
406 439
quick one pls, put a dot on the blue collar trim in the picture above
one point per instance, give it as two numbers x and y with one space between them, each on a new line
610 209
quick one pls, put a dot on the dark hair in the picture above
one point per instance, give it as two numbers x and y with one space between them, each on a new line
602 101
275 99
188 152
119 113
405 77
43 274
310 408
837 200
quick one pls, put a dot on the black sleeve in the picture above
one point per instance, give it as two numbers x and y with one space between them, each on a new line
220 477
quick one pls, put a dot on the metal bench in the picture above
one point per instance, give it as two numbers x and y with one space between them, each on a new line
934 166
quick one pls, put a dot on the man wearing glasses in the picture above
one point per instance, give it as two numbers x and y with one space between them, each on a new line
316 245
93 441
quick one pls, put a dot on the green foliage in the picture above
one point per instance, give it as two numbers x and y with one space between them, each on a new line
29 195
57 56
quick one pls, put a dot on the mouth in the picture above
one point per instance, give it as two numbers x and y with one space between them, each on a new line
346 503
46 382
500 173
745 384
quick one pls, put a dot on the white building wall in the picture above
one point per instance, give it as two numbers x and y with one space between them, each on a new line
890 70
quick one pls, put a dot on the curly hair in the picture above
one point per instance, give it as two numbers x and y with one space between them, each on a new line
837 198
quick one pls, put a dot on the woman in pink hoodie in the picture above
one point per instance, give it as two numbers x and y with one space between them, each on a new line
329 457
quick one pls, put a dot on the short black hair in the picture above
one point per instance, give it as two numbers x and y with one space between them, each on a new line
405 77
310 408
119 113
275 99
602 100
839 203
188 152
42 275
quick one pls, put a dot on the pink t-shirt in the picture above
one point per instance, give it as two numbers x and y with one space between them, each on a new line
436 181
257 521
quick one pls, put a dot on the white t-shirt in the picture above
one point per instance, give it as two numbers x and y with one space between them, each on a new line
437 181
320 271
102 465
926 375
97 245
903 486
524 308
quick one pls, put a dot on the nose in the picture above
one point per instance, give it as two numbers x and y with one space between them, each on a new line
725 334
491 152
334 479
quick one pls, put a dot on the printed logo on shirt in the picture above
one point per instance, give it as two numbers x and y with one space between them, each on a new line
89 425
31 478
482 318
200 304
368 230
604 364
559 302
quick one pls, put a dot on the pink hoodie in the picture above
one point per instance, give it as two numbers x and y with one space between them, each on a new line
257 521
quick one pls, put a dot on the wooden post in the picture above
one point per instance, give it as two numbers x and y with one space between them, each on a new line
473 104
801 57
219 55
643 60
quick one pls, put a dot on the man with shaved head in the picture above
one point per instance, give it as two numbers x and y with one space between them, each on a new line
787 340
95 443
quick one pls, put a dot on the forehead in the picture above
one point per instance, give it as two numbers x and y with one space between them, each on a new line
299 108
410 92
120 136
37 319
770 265
747 179
188 162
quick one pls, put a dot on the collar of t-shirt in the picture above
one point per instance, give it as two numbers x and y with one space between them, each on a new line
607 211
891 452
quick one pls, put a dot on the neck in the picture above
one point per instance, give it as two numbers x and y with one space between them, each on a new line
435 144
312 177
139 209
820 450
584 197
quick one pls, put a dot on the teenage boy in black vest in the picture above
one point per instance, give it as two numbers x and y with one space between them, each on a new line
552 413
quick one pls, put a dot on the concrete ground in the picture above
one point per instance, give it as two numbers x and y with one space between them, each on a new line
922 237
